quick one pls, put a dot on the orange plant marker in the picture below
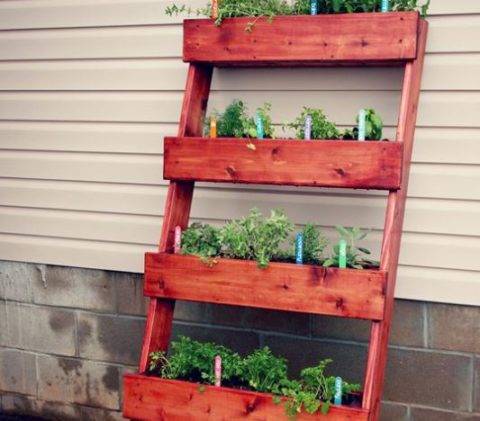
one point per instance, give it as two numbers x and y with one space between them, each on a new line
214 9
213 127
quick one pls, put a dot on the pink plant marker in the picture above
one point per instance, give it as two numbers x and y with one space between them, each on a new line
177 246
218 371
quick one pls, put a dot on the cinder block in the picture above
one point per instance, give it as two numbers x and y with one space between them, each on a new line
428 414
17 371
130 298
78 381
429 378
393 412
243 317
44 329
16 279
110 338
477 385
77 288
348 359
454 327
407 326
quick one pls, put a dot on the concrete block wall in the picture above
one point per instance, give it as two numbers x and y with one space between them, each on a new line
67 335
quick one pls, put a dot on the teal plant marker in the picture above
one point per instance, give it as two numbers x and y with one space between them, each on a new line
299 249
308 127
362 115
342 254
337 400
259 123
313 7
385 6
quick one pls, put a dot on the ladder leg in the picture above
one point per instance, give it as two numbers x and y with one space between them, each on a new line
377 354
177 209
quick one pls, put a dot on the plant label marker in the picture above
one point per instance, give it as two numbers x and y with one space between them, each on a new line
218 371
342 254
177 245
385 6
299 249
214 9
313 7
362 115
308 127
259 123
337 400
213 127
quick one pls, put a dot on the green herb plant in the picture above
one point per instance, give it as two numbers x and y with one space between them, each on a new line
260 371
322 128
355 255
373 127
235 121
201 240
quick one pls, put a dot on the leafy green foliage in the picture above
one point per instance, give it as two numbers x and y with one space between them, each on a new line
255 237
373 127
235 121
201 240
260 371
355 255
322 128
272 8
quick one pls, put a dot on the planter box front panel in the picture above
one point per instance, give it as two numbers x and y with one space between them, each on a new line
150 398
281 286
322 163
367 38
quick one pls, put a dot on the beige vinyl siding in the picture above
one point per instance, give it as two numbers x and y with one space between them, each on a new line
88 89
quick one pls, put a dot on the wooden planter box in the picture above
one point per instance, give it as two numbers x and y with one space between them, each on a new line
151 398
321 163
281 286
360 38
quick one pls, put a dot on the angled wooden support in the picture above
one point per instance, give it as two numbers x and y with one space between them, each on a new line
177 208
377 354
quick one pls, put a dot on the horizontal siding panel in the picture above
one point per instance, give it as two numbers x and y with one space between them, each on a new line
447 34
441 73
164 107
423 215
61 13
432 145
129 258
428 180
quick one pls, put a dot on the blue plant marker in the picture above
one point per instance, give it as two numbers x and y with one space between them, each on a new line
308 127
337 400
259 123
299 249
342 254
385 6
362 115
313 7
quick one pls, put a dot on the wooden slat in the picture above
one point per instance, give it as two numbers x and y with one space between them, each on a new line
151 398
303 40
369 165
281 286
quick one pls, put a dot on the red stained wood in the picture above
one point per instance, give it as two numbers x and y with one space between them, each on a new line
361 38
367 165
150 398
281 286
377 355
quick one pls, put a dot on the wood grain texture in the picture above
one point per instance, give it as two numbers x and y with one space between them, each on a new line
281 286
151 398
366 165
378 350
302 40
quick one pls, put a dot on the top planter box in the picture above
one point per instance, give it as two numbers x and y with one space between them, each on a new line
360 38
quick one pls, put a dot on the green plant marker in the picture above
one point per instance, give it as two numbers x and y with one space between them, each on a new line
337 400
362 116
385 6
342 254
260 129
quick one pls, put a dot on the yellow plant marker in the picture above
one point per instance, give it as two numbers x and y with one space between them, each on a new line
213 128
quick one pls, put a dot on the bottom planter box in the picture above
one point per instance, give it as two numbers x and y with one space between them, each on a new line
153 398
